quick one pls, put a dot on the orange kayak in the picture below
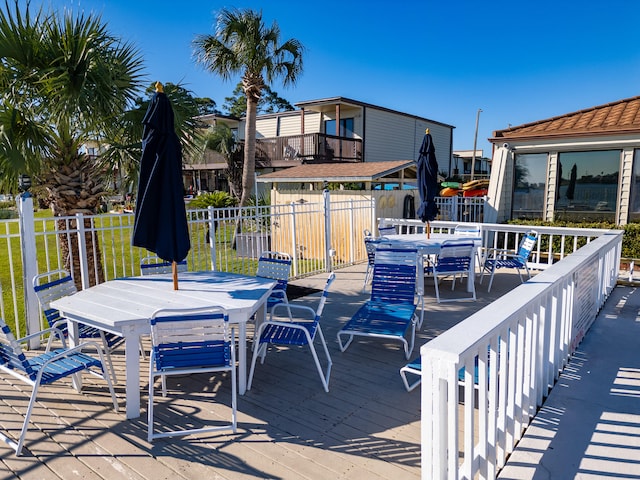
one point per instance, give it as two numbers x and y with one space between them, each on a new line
449 192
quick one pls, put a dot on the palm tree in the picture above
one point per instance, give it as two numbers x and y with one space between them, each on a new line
64 80
243 45
220 139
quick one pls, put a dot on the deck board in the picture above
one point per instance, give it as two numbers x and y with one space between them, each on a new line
366 427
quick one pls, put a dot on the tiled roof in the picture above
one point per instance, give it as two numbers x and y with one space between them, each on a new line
621 117
353 172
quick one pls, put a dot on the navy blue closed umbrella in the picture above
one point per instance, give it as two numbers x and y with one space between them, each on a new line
427 179
161 217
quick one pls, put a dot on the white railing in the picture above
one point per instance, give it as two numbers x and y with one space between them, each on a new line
461 209
506 358
554 243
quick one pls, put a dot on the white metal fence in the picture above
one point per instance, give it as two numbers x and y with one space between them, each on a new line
318 236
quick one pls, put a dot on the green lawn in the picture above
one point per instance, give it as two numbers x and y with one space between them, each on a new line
118 256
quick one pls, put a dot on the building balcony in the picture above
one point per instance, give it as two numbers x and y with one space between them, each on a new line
292 150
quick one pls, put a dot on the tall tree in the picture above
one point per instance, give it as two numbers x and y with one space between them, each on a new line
64 79
244 45
220 138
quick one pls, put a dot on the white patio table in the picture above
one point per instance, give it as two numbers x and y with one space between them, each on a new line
124 306
431 246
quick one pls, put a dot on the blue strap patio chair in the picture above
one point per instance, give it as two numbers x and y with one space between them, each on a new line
384 230
390 312
411 374
455 258
504 258
152 265
276 266
46 368
370 245
470 230
299 331
185 342
50 286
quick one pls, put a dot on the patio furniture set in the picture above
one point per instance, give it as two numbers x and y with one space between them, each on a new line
193 329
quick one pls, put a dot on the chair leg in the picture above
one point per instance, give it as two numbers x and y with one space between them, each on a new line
150 408
254 357
421 318
493 271
403 374
367 277
343 347
107 356
409 348
324 377
23 433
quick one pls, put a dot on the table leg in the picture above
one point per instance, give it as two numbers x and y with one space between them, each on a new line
471 276
74 339
242 357
132 381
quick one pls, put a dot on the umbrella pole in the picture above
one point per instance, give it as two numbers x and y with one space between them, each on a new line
174 271
428 230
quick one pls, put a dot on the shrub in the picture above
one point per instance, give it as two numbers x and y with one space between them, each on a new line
215 199
630 238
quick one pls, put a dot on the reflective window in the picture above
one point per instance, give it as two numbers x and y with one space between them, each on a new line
529 184
588 186
346 127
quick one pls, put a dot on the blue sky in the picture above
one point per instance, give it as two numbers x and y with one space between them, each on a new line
518 61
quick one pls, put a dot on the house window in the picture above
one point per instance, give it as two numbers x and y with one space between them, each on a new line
530 172
634 200
587 186
346 127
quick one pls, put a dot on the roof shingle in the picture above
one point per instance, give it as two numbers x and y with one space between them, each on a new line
619 117
363 171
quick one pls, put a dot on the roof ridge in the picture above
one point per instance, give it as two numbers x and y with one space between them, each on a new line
610 117
577 112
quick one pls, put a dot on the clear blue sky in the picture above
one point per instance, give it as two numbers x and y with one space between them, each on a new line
518 61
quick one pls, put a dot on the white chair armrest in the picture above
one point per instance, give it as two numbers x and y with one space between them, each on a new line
291 308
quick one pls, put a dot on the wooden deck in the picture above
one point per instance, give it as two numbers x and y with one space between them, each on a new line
366 427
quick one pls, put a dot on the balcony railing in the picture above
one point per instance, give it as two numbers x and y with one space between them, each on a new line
308 148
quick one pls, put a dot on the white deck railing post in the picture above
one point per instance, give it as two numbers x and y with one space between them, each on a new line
328 250
212 236
82 251
24 203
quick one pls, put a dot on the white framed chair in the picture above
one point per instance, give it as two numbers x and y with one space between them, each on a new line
390 312
384 230
56 284
411 374
46 368
370 245
455 258
275 266
186 342
504 258
471 230
152 265
299 331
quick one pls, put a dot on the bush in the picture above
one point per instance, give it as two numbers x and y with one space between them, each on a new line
630 238
214 199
